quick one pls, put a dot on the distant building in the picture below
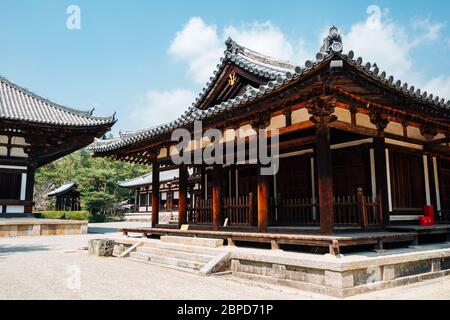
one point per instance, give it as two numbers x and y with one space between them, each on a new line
67 197
169 190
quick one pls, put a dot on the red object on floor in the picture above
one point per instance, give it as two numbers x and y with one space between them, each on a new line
425 221
429 213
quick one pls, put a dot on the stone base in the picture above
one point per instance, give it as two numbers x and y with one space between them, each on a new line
101 247
41 227
342 277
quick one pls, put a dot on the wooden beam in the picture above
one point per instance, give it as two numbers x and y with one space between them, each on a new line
381 177
263 201
217 197
325 182
182 197
155 194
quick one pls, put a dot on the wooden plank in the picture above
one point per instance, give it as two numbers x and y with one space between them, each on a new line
132 248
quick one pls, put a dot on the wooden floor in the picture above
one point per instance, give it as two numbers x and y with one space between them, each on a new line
332 242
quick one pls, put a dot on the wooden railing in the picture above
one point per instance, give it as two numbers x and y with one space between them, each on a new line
301 211
240 210
357 210
202 213
353 211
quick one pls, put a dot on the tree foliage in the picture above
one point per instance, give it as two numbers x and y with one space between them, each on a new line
96 179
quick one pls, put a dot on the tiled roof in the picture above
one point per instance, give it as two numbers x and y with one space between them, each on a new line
249 60
146 179
64 188
332 48
17 103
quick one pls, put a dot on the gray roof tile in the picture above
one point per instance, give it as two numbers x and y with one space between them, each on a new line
18 103
279 80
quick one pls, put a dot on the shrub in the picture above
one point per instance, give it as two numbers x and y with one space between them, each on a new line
64 215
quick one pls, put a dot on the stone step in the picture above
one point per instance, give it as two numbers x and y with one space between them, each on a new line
183 248
162 260
176 254
200 242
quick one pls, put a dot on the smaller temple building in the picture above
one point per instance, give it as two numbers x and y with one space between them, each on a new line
35 131
169 190
67 197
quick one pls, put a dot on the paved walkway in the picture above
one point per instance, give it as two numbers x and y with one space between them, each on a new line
58 267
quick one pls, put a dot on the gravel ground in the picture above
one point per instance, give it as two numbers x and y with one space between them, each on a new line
58 267
47 268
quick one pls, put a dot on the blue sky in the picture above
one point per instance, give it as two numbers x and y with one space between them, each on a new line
146 60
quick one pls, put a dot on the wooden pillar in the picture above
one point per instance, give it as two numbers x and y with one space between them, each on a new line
29 191
379 146
263 201
217 197
136 200
322 110
182 195
155 194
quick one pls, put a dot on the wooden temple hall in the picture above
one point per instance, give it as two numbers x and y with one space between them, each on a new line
169 188
359 150
35 131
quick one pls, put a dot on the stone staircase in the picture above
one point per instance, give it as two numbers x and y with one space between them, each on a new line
186 254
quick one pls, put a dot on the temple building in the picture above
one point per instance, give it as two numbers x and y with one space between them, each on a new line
358 149
67 197
34 132
168 190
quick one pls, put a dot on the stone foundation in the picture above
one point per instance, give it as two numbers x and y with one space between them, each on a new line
342 277
41 227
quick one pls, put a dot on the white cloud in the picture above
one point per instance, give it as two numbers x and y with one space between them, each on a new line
439 86
201 45
158 107
390 45
387 45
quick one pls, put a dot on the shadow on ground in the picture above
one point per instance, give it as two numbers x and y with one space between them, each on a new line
102 230
5 250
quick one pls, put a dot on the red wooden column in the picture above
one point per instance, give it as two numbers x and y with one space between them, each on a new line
322 114
155 194
379 148
182 197
217 197
263 201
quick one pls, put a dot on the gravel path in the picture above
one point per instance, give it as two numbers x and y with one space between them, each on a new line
58 267
47 268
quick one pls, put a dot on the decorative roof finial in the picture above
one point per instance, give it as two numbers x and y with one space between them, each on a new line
231 45
333 42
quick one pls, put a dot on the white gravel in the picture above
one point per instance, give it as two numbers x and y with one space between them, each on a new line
58 267
47 268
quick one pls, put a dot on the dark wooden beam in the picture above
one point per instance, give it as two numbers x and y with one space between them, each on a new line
155 194
217 197
263 201
182 198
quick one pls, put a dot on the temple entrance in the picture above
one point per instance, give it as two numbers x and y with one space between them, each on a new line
408 192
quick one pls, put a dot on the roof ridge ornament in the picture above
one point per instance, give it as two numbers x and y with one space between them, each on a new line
232 46
333 42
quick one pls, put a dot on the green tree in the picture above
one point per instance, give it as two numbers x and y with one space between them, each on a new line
96 179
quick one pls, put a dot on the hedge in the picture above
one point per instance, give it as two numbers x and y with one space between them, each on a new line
70 215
